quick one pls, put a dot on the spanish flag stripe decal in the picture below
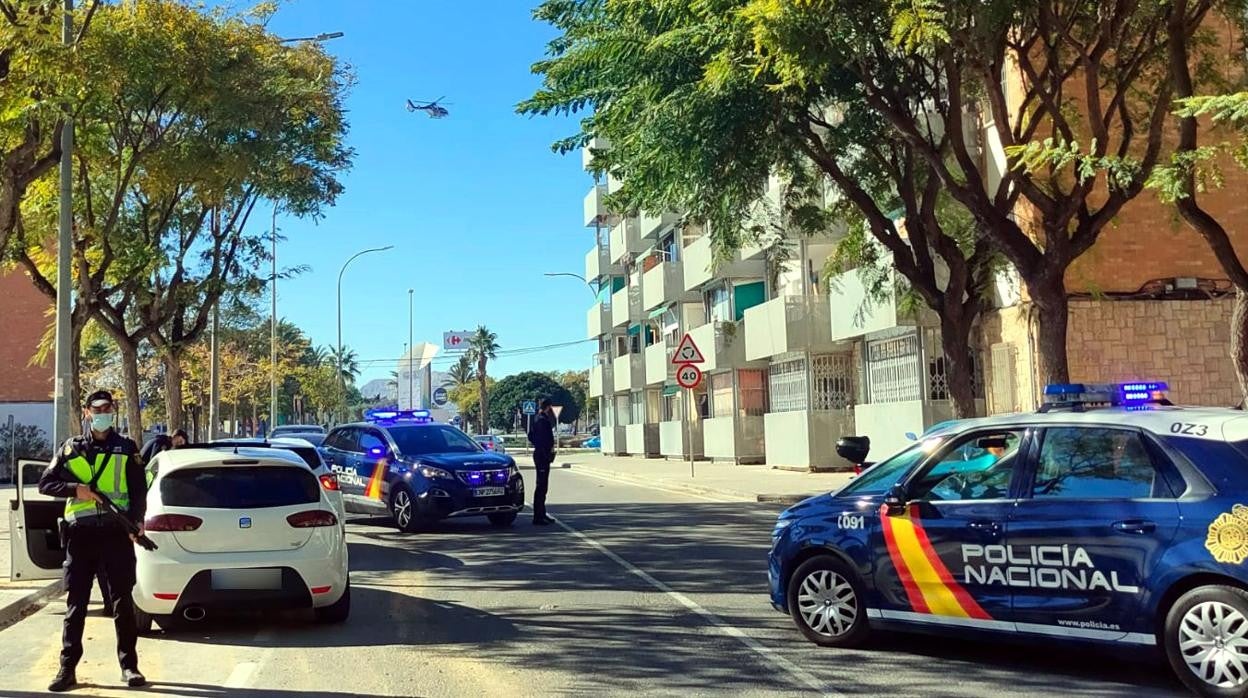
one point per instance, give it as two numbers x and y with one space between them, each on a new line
964 599
903 572
373 491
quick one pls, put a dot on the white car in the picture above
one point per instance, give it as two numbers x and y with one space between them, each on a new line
247 529
310 455
494 444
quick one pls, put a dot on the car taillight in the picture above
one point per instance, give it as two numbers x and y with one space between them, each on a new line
312 519
329 482
172 523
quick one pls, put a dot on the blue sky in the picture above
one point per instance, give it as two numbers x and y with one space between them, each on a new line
476 205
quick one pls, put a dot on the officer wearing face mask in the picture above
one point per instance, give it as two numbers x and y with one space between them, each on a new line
96 540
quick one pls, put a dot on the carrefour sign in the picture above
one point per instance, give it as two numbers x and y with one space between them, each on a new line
455 341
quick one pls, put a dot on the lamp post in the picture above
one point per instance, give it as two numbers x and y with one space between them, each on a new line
593 292
323 36
342 383
64 281
411 349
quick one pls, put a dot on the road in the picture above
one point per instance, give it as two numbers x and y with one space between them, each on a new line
636 591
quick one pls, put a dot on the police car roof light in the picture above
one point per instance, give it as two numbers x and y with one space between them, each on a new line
415 416
1133 396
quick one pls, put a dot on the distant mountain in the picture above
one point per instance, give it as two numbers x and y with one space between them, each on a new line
380 388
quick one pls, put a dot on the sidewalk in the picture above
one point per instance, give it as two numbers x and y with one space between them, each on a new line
754 483
18 598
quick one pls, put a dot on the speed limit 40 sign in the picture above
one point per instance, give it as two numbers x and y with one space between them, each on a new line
688 376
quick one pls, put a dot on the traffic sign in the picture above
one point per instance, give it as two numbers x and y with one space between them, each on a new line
689 376
687 352
530 407
440 397
456 341
557 409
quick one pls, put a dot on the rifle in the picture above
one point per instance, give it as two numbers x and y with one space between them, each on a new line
131 527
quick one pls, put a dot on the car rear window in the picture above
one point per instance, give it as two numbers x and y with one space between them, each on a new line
237 487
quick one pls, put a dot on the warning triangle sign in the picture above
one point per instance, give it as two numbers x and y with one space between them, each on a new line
687 352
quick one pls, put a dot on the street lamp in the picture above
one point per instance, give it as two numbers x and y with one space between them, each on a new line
323 36
411 349
342 383
593 292
64 366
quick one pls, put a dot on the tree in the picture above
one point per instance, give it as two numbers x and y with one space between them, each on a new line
577 385
467 399
1195 168
483 348
696 126
461 372
513 390
348 364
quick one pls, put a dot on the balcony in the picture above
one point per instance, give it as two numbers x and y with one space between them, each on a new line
663 284
598 321
699 265
601 381
853 314
619 308
613 441
587 151
674 435
652 225
597 263
659 367
596 212
628 372
625 240
721 346
738 439
642 439
788 323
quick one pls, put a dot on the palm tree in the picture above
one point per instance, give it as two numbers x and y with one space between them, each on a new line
482 347
348 364
319 356
462 372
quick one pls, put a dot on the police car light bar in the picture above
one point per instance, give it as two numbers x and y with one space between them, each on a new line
417 416
1129 395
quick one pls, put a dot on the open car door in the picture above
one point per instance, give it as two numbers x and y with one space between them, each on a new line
35 545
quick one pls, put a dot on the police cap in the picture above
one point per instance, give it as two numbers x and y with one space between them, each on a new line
98 399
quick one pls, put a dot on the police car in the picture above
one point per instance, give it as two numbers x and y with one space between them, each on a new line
1109 516
402 464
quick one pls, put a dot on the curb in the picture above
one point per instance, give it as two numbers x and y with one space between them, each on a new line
697 489
19 609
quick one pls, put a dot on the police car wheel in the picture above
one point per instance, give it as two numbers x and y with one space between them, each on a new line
825 600
1206 640
403 509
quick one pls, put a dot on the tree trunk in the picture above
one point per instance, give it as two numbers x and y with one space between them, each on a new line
77 323
485 404
130 378
173 390
1239 342
955 336
1053 317
234 421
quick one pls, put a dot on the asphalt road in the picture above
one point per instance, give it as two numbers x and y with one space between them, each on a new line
637 591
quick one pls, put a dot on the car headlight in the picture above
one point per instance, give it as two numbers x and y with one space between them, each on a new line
778 531
435 473
512 471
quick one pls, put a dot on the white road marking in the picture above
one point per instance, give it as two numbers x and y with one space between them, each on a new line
768 654
241 676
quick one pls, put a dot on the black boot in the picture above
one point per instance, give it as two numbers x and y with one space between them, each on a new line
65 680
133 678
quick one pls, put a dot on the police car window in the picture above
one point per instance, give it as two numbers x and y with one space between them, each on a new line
883 475
977 467
341 439
370 441
1093 463
421 440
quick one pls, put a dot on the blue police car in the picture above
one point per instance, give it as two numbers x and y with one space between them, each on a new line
1109 516
402 464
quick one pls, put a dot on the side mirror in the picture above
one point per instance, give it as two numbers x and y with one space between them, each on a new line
854 448
895 500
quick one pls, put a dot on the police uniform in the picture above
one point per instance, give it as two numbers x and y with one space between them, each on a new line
95 539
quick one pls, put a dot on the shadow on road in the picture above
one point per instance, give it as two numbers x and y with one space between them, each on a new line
195 690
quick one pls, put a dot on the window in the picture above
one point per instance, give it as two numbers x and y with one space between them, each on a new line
234 487
721 394
654 406
1095 463
637 402
718 304
893 369
671 407
787 380
753 389
880 477
623 415
342 439
372 443
833 386
436 438
977 467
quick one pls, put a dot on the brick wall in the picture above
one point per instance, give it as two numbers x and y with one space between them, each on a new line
1185 343
22 324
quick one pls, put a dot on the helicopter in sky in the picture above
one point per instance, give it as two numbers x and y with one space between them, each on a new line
433 109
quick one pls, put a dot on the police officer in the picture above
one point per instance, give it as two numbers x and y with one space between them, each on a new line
95 540
542 436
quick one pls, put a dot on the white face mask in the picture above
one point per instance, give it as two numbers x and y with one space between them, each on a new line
102 422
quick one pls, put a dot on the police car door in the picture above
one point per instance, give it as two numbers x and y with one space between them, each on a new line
1096 515
339 450
372 465
956 507
35 550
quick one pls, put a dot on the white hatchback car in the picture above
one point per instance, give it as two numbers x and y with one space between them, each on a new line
251 529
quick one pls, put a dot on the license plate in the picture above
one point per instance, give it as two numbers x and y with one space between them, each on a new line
247 579
489 491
